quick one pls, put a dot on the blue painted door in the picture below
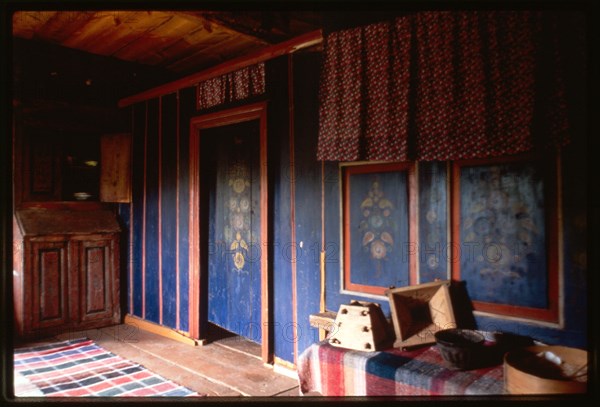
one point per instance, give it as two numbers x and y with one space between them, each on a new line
234 274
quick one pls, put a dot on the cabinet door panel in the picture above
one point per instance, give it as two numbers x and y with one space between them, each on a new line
95 279
42 169
115 169
49 284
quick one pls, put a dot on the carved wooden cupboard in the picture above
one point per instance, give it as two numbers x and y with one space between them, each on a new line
66 270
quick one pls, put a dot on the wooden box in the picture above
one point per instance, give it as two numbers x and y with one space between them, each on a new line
360 326
419 311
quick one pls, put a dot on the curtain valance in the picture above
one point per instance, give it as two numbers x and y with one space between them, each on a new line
231 87
444 86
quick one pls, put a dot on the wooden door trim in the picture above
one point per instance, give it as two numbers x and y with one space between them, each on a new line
198 315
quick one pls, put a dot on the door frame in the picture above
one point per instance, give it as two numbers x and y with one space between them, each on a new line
198 286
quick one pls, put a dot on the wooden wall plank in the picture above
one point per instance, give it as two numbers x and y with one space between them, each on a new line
177 213
277 90
159 210
125 216
152 215
187 105
144 208
292 177
169 210
137 207
308 195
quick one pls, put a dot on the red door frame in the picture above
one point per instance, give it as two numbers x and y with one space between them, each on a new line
198 315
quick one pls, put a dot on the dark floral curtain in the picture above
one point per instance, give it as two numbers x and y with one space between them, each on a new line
443 86
231 87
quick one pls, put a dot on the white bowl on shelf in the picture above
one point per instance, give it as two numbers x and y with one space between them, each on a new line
82 196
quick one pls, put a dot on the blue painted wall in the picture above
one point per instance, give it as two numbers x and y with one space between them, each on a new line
168 208
147 125
433 201
433 221
307 176
137 202
279 162
572 333
187 98
151 219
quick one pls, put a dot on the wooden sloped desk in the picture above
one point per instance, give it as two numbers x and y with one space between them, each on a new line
333 371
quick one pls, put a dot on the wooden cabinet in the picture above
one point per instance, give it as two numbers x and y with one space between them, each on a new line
66 274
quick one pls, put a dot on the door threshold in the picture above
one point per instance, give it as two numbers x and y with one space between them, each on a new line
229 340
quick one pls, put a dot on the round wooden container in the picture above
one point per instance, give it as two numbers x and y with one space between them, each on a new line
525 373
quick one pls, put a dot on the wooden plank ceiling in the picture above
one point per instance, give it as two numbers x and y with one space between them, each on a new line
182 42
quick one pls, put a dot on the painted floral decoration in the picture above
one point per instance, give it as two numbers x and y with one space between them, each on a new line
377 224
239 214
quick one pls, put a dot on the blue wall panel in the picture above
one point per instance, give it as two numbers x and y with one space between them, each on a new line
186 111
282 273
308 196
169 209
151 221
279 164
124 211
137 197
433 221
576 235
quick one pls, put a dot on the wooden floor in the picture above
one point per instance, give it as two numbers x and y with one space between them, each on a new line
229 366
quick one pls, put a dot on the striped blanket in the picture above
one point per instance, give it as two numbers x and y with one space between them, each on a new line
80 368
334 371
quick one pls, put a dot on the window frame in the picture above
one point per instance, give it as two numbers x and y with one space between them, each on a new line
347 169
551 173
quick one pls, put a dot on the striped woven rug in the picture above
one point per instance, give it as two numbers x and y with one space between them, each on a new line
81 368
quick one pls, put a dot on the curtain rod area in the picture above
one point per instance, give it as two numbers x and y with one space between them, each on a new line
273 51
